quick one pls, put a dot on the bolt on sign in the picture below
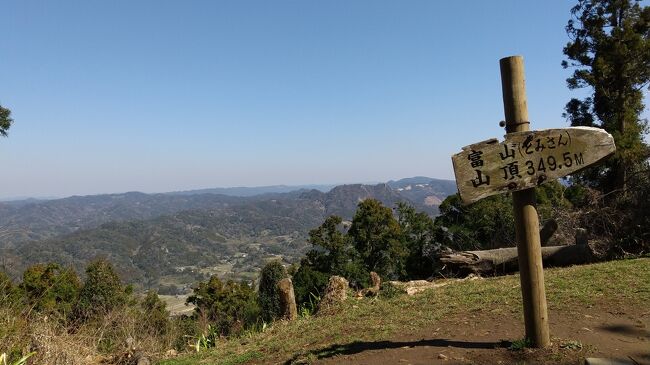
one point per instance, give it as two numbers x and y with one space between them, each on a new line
527 159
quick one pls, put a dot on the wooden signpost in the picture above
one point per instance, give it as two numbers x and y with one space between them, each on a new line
527 159
524 160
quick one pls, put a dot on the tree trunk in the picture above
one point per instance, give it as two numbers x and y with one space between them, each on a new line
504 260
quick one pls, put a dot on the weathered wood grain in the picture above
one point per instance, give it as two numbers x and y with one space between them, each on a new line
527 159
505 260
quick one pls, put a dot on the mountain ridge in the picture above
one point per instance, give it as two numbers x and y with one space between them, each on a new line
161 240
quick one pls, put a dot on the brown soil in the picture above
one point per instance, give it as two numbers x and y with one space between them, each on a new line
603 330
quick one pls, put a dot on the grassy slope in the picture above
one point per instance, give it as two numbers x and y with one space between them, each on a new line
625 281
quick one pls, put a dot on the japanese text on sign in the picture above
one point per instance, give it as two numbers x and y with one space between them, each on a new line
527 159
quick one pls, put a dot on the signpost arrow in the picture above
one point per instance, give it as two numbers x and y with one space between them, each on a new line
524 160
527 159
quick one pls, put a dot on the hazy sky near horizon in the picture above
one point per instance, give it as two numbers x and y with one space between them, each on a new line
114 96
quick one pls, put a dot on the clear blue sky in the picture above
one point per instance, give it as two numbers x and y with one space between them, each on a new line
114 96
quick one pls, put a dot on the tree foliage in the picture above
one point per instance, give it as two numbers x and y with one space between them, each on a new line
51 289
489 223
308 282
6 286
231 307
610 54
5 121
377 238
420 238
394 247
486 224
332 253
269 295
102 291
155 313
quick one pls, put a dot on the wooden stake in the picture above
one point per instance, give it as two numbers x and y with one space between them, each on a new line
526 219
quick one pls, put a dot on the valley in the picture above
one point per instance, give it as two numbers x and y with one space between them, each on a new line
170 241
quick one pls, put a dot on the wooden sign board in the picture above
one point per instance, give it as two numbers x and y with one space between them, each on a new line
527 159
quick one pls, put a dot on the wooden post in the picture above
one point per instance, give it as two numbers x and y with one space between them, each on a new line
526 219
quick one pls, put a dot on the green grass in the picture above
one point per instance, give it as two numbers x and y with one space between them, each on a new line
521 344
624 281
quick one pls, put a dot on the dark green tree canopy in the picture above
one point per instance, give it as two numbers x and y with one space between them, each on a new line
156 314
419 235
230 306
269 296
50 288
377 238
101 292
5 120
489 223
333 253
609 52
333 250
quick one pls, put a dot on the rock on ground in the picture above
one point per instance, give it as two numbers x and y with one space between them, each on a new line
335 293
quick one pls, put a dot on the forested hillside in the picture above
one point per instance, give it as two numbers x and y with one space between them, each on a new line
171 240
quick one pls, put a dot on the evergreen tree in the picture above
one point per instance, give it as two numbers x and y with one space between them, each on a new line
5 121
101 292
377 238
334 251
50 288
610 53
489 223
308 282
155 313
332 254
269 296
486 224
230 307
418 234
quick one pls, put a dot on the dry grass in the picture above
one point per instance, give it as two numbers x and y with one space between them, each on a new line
374 319
105 340
117 335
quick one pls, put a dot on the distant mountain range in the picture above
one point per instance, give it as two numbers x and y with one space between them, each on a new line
424 191
173 239
253 191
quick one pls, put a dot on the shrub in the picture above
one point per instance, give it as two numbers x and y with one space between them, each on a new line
231 307
101 292
50 289
489 223
155 314
308 282
269 295
389 290
7 290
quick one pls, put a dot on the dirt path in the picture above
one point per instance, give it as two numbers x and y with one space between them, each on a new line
611 330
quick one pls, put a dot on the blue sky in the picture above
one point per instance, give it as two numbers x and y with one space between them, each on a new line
114 96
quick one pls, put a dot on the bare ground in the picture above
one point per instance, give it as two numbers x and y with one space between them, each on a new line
603 330
599 310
